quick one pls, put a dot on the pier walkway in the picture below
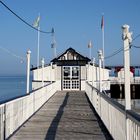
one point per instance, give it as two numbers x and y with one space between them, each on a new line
67 115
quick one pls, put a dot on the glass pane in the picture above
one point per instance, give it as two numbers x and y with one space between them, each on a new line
66 72
75 72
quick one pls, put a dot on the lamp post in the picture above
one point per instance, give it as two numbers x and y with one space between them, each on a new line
28 71
126 37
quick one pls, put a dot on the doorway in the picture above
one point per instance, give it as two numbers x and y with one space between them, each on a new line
71 78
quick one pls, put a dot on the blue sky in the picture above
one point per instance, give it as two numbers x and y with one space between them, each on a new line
75 22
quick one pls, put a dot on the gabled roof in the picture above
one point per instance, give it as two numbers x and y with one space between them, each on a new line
70 55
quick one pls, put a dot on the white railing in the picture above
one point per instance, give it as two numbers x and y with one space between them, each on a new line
14 113
118 80
38 84
1 122
135 103
114 116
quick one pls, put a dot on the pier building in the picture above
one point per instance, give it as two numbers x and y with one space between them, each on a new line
71 69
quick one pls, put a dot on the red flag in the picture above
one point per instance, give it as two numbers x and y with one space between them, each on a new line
102 23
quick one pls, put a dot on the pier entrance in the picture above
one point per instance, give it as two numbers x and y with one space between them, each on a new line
70 69
71 78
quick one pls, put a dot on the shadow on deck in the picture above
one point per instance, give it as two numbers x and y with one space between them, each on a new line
53 127
67 115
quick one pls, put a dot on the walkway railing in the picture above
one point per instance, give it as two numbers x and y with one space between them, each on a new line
14 113
114 116
117 80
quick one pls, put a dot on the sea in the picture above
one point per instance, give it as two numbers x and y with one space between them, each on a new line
12 87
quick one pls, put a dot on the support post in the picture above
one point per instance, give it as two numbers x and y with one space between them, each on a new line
28 71
100 65
51 66
93 62
42 62
127 40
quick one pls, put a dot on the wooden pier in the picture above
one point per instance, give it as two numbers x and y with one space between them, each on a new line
67 115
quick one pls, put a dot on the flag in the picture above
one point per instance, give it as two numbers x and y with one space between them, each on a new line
89 44
36 23
102 23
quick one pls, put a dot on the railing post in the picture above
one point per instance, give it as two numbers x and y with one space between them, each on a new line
28 71
42 62
93 62
100 65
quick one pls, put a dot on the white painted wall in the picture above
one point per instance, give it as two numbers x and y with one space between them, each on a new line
58 73
121 74
93 77
119 79
51 73
88 73
83 73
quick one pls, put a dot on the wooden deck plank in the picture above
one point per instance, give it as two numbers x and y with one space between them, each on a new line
67 115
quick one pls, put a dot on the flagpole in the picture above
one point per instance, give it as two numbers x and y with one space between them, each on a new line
37 26
103 39
38 45
53 45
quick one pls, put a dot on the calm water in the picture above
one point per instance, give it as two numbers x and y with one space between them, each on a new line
12 86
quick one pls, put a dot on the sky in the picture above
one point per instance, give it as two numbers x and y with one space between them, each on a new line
76 22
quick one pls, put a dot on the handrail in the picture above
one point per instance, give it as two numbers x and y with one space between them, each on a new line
41 87
13 98
133 116
21 108
119 106
21 96
114 103
114 115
